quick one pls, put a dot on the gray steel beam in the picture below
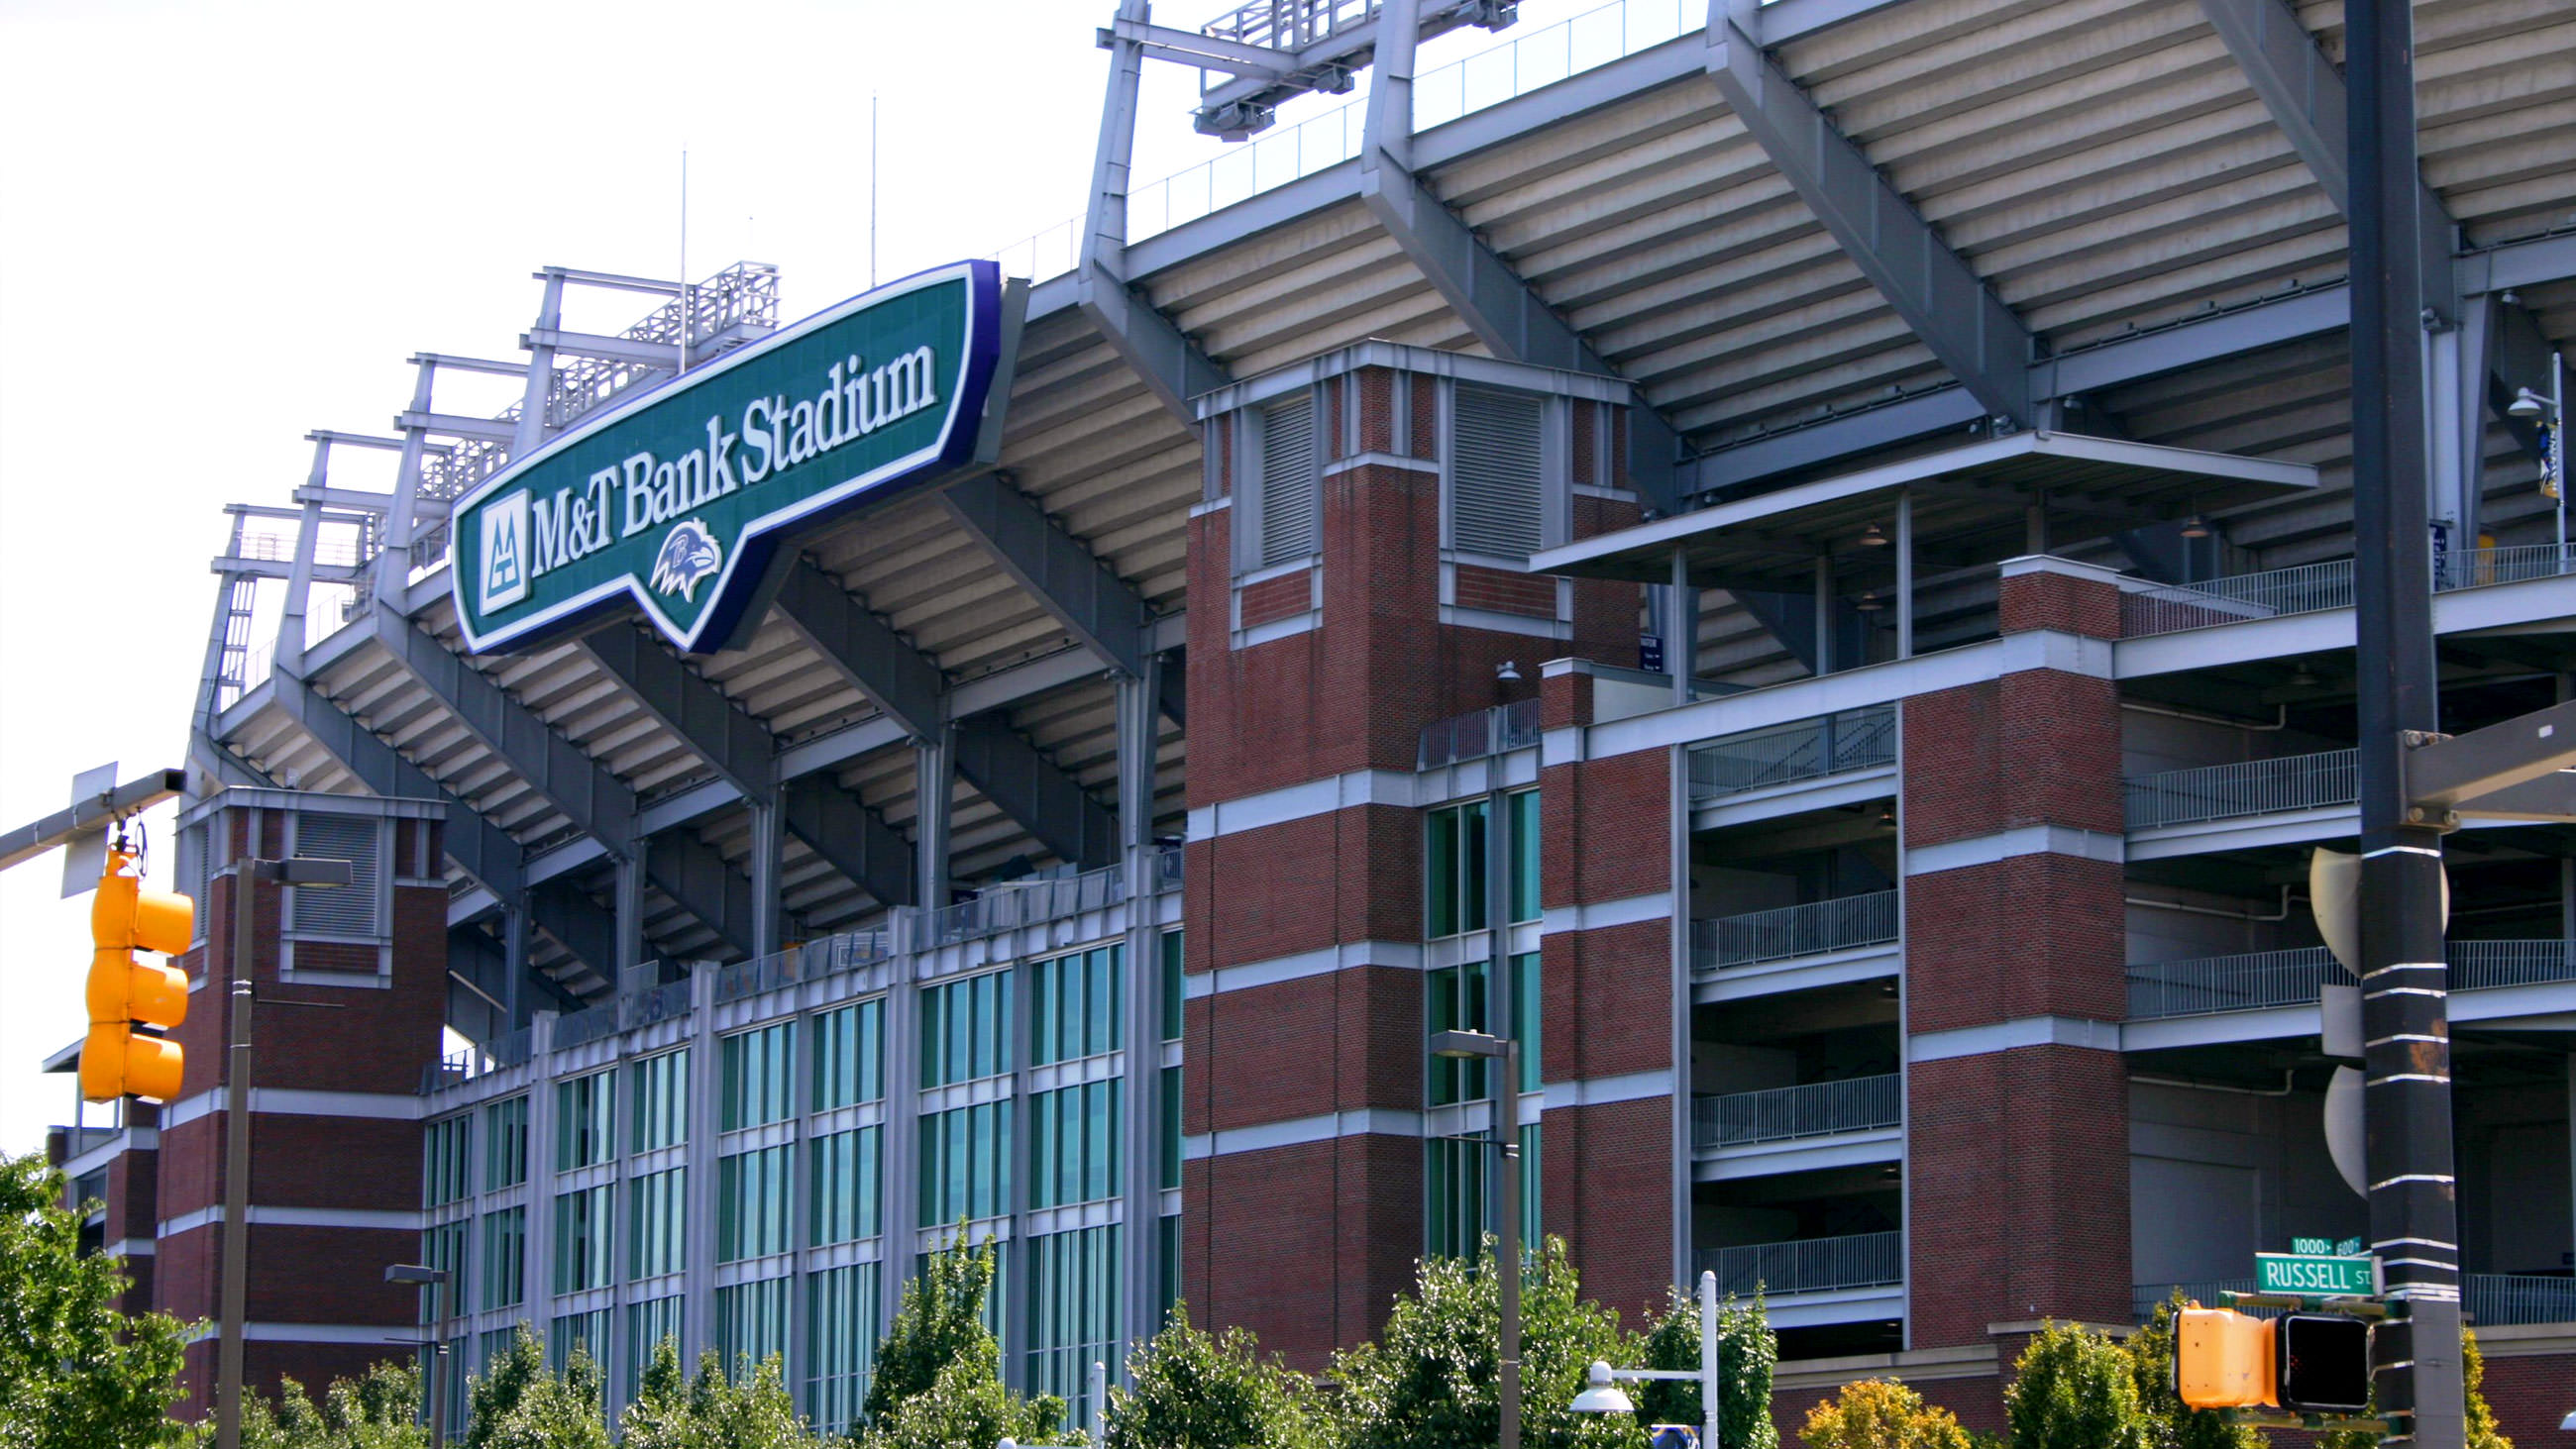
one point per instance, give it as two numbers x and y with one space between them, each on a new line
1081 591
732 743
854 839
586 791
664 355
1948 409
480 848
867 652
1948 307
696 875
452 425
1324 63
579 925
2443 773
1031 789
1206 52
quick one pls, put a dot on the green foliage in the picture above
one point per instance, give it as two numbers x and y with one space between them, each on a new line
2482 1431
1881 1414
965 1404
1430 1380
1196 1391
1746 1352
494 1394
2073 1389
380 1409
517 1403
2170 1423
75 1372
938 1379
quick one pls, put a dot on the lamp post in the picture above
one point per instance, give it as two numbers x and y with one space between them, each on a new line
446 1308
1507 1132
2529 404
1602 1394
299 871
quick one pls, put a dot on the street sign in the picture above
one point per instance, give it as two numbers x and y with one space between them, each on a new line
2314 1274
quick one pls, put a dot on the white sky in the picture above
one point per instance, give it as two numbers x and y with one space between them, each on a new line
222 226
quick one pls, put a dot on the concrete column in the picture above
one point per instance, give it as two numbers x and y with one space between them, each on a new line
514 970
1905 573
1682 633
2455 412
1139 731
1824 614
934 774
768 842
706 1093
536 1303
630 906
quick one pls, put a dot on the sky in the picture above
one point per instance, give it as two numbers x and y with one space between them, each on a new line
224 226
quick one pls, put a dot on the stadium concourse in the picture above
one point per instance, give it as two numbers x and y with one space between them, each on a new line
1794 559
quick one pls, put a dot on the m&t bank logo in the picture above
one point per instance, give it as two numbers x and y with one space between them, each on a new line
505 551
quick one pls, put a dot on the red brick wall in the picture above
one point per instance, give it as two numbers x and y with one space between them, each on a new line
2056 601
2530 1396
1607 1000
1608 1192
1506 592
2038 747
2019 1191
1339 1041
2029 935
1284 597
1607 828
1337 1225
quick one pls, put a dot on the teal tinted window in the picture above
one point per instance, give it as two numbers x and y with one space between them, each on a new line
752 1205
1522 819
849 1055
751 1323
757 1088
647 1325
966 1163
661 1092
581 1240
1462 1184
583 1333
1171 1124
657 1223
1074 1143
966 1029
444 1247
1175 985
1073 1312
845 1186
583 1119
505 1258
1077 1005
1458 1002
1454 870
840 1344
443 1161
505 1144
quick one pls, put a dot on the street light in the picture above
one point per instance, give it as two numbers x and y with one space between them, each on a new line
1602 1394
1507 1131
446 1307
2530 404
299 871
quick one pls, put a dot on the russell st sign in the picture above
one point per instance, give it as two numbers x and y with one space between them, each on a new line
681 501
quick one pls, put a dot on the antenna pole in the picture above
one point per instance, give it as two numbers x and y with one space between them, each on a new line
684 259
873 151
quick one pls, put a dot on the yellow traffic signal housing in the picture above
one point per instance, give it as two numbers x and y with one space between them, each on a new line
117 1060
2223 1360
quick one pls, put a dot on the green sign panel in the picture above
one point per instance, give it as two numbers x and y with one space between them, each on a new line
2313 1273
681 501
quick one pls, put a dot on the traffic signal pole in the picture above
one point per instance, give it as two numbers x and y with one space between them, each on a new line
2405 1026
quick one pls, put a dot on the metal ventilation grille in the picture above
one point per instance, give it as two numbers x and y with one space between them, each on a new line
1288 481
1494 485
348 910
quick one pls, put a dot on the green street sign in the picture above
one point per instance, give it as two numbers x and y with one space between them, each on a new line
2316 1274
682 500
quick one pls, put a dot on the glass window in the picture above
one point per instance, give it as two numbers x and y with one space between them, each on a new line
505 1144
846 1186
661 1101
443 1246
966 1029
587 1332
1458 1174
1171 1176
1175 986
1073 1312
1170 1230
444 1161
1527 1015
1521 816
1457 1003
582 1118
751 1323
849 1062
1454 870
840 1344
648 1324
755 1076
581 1240
1076 1005
505 1257
966 1163
657 1223
752 1204
1074 1143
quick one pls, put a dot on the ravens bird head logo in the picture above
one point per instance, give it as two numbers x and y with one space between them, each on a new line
689 553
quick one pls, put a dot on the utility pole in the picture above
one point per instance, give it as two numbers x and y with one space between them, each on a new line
2405 1026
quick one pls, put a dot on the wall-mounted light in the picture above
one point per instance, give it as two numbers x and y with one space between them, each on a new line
1505 671
1871 538
2195 527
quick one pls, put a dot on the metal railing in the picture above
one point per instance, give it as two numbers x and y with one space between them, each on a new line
1266 163
1807 1265
1049 252
2253 787
1792 931
1488 731
1784 1114
2489 1299
1013 904
2207 1292
811 961
459 1067
1807 749
2307 588
2255 980
1557 52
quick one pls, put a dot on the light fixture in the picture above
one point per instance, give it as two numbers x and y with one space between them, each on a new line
2195 527
1871 538
2568 1423
2303 678
1887 815
1869 603
1505 671
2526 404
1601 1395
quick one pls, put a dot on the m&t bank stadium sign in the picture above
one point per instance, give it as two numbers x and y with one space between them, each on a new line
682 501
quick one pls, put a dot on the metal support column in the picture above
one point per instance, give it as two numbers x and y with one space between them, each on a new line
630 906
291 627
1139 734
514 969
1681 637
1824 614
2405 1026
402 520
934 777
541 369
1905 573
768 843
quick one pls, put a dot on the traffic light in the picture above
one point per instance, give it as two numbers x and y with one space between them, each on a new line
2324 1363
2223 1360
118 1060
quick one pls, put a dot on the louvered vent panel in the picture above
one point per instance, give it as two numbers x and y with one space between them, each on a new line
1288 481
1495 482
348 910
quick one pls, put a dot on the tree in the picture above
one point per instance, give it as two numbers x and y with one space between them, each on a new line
493 1394
379 1409
75 1371
1429 1382
1746 1352
2482 1431
658 1417
1881 1414
938 1379
1195 1391
2171 1423
519 1404
2073 1389
965 1404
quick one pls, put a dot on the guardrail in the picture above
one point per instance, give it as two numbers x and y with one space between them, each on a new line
1791 931
2489 1299
1807 1265
1807 749
2308 588
2252 787
2254 980
459 1067
1009 906
811 961
1784 1114
1488 731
